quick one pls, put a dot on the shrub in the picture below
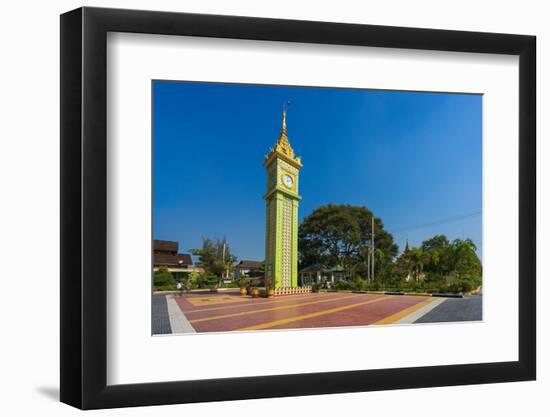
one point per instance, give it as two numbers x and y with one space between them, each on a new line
359 284
232 284
371 286
162 278
208 281
186 282
200 280
343 285
464 283
166 288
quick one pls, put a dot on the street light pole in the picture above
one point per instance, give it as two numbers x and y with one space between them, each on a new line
372 249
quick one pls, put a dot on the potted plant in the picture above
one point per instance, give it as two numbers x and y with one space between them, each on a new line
243 283
315 287
255 292
269 288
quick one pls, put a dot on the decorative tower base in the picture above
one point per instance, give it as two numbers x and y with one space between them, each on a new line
292 290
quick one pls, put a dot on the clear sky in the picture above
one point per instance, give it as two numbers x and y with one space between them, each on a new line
414 159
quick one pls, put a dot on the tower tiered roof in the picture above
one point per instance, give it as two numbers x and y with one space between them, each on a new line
283 148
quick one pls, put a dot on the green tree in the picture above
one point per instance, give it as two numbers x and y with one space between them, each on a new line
215 257
436 242
341 235
443 264
464 258
437 255
418 258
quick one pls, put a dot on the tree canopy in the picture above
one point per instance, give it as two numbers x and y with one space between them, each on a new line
215 256
340 235
441 262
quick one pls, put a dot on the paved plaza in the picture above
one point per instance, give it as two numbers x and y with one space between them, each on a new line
229 311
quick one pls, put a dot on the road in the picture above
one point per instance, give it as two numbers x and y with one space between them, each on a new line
455 309
160 321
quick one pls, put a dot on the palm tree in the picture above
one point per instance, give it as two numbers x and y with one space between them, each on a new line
418 258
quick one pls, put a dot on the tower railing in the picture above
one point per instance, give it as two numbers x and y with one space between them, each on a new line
292 290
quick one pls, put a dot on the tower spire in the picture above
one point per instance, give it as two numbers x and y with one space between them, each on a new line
282 146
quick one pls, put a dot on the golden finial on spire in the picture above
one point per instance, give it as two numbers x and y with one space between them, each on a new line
285 109
283 145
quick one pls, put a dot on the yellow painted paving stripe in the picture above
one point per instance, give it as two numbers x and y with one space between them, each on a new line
260 304
310 315
400 314
244 313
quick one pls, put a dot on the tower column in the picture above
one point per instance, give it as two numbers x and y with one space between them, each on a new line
282 198
295 243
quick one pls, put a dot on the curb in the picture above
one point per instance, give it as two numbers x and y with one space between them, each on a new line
448 294
417 294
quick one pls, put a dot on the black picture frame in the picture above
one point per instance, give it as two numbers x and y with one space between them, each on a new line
84 207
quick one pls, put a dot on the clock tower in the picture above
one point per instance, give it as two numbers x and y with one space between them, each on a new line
281 198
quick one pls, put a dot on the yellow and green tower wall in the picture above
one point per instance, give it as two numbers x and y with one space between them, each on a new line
282 200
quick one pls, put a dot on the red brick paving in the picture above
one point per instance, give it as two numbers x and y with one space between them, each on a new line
292 309
240 302
355 316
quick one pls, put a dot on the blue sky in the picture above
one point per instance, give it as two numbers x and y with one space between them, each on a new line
413 158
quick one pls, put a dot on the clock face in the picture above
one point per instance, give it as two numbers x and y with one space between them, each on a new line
287 180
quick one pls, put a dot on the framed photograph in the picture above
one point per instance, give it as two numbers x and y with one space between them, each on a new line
257 208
